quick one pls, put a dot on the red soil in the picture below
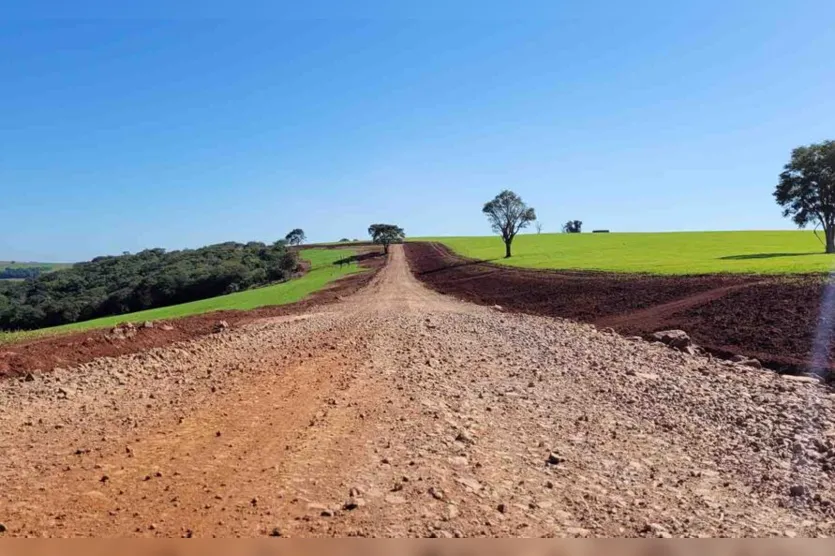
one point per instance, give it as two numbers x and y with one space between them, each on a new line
771 318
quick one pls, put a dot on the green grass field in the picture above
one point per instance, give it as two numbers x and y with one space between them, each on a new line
766 252
321 273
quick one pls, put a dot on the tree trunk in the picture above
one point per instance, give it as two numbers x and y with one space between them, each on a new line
829 232
507 248
385 248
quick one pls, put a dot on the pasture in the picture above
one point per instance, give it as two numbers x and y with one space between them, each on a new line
670 253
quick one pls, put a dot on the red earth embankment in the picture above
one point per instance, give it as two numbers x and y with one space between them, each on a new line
771 318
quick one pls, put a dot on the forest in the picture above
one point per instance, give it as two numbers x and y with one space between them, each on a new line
114 285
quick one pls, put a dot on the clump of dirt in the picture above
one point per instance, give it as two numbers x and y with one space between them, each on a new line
770 318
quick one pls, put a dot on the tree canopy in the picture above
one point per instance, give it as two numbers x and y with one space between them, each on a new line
386 234
19 273
806 190
573 227
295 237
152 278
508 214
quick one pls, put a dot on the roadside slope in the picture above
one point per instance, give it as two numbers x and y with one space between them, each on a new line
71 348
321 268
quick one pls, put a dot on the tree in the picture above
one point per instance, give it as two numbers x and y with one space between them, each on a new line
295 237
386 234
344 240
807 189
538 227
572 227
508 214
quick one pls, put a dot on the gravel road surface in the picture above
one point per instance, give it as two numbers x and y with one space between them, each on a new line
402 412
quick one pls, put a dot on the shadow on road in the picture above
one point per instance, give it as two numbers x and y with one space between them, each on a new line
358 258
456 265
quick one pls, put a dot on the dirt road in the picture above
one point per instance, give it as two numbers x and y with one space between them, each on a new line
401 412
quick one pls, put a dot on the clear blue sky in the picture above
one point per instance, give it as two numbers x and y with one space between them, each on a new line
142 127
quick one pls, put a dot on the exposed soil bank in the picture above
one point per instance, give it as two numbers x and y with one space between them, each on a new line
771 318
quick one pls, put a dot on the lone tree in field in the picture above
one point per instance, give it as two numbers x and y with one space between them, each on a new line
386 234
807 189
295 237
538 227
508 214
572 227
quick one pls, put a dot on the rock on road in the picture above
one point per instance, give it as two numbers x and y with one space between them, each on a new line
402 412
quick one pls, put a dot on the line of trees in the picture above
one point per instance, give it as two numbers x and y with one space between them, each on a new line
115 285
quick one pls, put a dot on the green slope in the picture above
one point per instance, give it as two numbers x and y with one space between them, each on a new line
321 273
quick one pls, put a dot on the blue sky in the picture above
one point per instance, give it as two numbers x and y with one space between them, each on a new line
177 127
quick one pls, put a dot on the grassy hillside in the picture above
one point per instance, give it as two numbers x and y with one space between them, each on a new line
322 272
770 252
